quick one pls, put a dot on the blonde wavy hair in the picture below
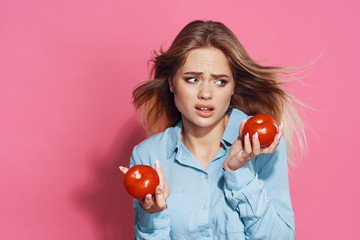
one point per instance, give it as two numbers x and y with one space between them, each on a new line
258 89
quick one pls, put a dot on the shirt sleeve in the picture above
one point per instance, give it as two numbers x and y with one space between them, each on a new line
261 196
148 226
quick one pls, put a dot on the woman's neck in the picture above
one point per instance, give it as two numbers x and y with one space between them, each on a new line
204 143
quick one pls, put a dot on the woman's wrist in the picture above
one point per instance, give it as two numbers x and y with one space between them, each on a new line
227 168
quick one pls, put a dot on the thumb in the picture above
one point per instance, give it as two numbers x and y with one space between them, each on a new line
160 172
160 196
123 169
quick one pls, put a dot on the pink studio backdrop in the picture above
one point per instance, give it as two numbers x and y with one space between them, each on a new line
67 69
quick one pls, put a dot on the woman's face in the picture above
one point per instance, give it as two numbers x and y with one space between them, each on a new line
203 87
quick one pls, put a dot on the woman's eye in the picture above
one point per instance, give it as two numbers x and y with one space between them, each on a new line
191 79
221 82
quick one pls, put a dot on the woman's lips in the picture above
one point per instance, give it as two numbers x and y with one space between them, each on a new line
204 110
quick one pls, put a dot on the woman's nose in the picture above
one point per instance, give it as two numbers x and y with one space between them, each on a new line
205 91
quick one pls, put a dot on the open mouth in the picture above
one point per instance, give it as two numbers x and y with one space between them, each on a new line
205 109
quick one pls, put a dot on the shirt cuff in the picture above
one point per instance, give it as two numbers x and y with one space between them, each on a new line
236 180
153 221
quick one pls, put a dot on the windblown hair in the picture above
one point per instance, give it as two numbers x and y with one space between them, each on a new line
258 89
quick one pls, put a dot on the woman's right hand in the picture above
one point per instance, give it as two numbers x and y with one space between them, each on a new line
157 202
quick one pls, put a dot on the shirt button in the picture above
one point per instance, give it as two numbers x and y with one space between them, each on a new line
204 176
205 234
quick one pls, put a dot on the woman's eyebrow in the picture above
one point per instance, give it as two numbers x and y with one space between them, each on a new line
220 76
213 75
193 73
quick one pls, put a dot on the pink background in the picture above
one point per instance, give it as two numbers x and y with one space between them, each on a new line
67 69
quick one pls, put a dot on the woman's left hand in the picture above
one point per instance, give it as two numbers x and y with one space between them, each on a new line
155 202
243 150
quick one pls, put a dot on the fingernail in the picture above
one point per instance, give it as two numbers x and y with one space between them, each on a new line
244 120
161 187
157 164
279 135
121 168
255 136
281 126
148 197
247 136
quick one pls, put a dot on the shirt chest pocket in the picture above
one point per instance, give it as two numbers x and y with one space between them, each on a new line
227 222
177 208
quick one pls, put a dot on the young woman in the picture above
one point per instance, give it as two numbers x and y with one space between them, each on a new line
214 182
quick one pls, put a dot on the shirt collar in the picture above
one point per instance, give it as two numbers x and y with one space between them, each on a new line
229 136
174 139
233 125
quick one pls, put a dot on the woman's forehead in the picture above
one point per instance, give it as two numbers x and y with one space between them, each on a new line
209 59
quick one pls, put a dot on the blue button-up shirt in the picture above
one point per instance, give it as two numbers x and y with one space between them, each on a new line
252 202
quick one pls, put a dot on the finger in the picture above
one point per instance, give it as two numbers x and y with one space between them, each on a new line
166 191
247 144
241 128
272 147
160 172
256 149
147 202
160 197
123 169
280 130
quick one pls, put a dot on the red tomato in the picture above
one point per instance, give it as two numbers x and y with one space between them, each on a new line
141 180
264 125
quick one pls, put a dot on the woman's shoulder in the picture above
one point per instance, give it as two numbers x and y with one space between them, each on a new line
160 140
238 114
156 147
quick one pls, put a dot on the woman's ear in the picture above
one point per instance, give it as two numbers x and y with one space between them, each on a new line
171 84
